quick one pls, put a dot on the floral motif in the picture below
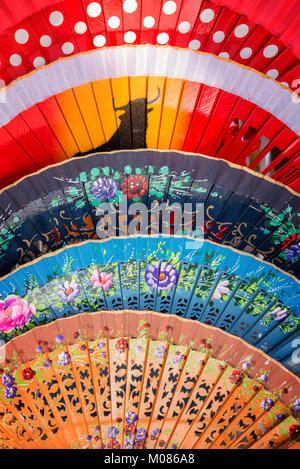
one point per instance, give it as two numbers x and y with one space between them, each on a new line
266 404
134 186
154 434
9 382
10 392
293 251
160 351
68 291
236 376
129 443
15 313
131 417
101 279
161 276
221 290
141 434
294 430
297 405
113 444
129 429
27 373
64 358
121 345
104 188
279 314
112 432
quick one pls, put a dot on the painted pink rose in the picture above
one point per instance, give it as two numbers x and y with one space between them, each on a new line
14 313
101 279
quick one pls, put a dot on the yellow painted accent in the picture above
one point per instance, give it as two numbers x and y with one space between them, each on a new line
86 100
155 115
172 98
103 94
70 109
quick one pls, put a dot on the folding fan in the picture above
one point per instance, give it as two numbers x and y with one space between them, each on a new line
142 380
56 29
202 281
62 204
149 96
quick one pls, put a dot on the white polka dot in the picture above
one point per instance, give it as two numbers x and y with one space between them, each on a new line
273 73
218 36
129 6
56 18
184 27
114 22
169 8
67 48
162 38
21 36
241 30
225 55
149 22
246 53
15 60
99 40
45 41
129 37
270 51
194 44
207 15
39 62
80 27
284 83
93 9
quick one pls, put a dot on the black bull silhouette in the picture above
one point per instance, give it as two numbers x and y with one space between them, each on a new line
132 130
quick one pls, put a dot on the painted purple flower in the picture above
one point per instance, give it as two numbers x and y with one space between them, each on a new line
280 417
112 432
155 433
263 377
176 359
292 251
161 276
104 188
160 351
173 446
101 344
129 443
141 434
88 438
297 405
131 417
59 338
246 365
266 404
10 392
46 363
69 291
39 348
279 314
64 358
8 380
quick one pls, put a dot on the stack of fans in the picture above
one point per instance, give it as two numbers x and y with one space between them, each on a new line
150 224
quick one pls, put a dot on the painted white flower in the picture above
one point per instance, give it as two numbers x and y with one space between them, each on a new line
221 289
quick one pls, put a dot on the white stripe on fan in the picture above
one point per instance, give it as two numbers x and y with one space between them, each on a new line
152 61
